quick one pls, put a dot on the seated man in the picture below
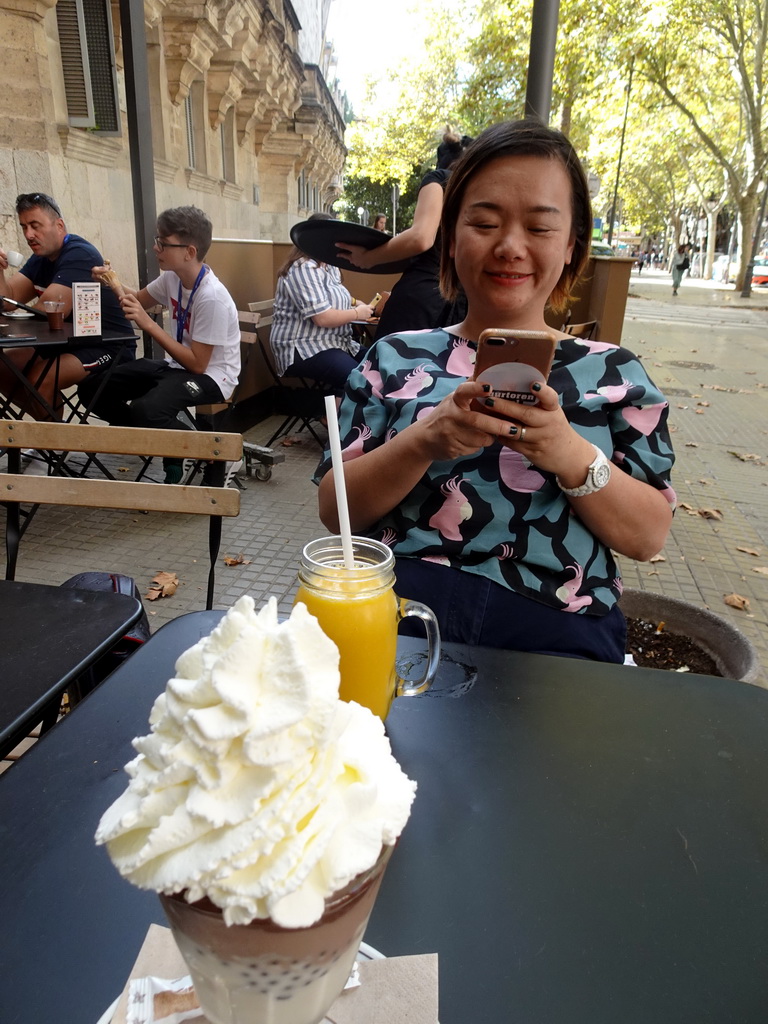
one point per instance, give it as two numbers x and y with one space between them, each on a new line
202 360
59 258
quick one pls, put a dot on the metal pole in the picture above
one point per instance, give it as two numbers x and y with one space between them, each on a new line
621 153
746 289
139 138
541 59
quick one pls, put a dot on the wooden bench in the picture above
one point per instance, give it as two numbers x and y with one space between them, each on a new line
55 440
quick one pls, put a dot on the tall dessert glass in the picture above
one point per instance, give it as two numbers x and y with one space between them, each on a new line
260 973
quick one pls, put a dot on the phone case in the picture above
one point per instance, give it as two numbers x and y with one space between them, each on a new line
510 361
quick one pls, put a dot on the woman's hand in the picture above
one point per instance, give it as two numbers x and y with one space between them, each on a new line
363 311
357 255
455 428
543 434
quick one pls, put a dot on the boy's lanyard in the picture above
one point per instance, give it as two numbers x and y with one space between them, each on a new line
181 313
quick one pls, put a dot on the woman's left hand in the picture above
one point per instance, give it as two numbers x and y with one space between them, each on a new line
544 435
356 254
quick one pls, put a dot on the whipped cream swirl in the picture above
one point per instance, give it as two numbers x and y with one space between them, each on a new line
257 787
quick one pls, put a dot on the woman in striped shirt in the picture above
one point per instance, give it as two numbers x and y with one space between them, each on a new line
311 327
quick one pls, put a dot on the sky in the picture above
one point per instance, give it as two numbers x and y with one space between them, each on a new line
369 36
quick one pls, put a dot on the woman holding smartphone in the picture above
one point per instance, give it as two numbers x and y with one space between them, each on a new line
503 515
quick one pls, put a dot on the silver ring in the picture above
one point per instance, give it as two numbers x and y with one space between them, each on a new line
522 433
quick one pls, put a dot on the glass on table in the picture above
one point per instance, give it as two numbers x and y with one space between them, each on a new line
55 311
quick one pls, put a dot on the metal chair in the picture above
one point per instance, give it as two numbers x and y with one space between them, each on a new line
300 395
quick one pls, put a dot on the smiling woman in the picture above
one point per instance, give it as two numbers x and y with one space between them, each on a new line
504 519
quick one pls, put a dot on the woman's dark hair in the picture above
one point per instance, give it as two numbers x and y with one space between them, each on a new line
295 252
189 224
519 138
450 149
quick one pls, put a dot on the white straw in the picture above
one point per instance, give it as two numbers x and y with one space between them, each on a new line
338 478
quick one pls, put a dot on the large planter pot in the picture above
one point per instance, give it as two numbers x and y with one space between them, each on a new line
732 652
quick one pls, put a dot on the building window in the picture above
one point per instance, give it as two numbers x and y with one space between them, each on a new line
189 121
88 64
194 121
227 133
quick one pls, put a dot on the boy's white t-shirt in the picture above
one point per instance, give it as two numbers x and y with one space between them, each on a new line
213 321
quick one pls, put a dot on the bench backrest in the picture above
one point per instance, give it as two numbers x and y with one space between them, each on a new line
55 438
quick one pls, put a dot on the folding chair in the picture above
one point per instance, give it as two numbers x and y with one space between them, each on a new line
215 501
586 330
301 395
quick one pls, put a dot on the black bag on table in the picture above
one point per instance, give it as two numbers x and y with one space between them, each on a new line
139 633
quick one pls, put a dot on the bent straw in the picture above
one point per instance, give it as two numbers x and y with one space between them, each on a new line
338 478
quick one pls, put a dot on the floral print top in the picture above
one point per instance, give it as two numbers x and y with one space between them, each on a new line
494 513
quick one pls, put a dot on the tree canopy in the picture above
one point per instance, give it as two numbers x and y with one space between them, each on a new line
697 119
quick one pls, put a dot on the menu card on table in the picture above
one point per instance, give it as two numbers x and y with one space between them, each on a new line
86 308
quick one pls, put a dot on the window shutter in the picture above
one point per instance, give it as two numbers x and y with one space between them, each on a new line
87 60
74 62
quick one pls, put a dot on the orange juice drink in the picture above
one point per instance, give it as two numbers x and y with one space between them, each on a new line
357 608
363 625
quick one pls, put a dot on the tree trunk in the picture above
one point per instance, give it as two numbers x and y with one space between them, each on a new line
747 205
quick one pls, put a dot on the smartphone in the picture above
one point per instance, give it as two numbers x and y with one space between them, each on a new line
374 302
510 361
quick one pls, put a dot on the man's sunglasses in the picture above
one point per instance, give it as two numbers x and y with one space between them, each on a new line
28 200
169 245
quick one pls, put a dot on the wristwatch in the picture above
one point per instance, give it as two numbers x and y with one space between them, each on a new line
598 475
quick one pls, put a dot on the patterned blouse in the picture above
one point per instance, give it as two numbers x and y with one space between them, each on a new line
493 513
307 289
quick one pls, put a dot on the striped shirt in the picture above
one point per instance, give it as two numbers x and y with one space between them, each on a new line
307 289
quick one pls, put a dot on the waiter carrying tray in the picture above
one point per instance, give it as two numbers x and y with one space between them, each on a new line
59 259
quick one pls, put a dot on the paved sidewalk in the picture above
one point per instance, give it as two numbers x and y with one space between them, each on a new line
708 353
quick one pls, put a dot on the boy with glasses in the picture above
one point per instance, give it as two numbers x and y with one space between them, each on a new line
58 260
202 349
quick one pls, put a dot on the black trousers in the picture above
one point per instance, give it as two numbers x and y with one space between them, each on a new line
149 393
474 610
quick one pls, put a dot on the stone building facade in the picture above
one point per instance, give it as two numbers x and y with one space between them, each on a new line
243 123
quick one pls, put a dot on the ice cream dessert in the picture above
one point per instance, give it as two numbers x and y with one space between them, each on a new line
110 278
268 803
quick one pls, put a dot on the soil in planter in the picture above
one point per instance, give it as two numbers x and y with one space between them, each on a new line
652 649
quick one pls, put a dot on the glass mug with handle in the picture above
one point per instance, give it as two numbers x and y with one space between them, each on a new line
358 609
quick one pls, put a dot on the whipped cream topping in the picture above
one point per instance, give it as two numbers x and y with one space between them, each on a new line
257 787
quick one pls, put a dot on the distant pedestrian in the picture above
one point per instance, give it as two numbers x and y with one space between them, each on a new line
640 261
680 263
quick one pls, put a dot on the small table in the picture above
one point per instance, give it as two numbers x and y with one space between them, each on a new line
48 637
588 844
50 345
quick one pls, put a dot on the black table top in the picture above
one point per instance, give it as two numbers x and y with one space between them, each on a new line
588 844
318 238
12 328
48 636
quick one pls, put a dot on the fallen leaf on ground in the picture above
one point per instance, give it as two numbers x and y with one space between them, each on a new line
749 551
737 601
703 403
657 558
164 584
122 469
709 513
745 456
686 506
699 412
762 569
237 560
691 444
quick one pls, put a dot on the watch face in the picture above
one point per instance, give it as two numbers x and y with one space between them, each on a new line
601 474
